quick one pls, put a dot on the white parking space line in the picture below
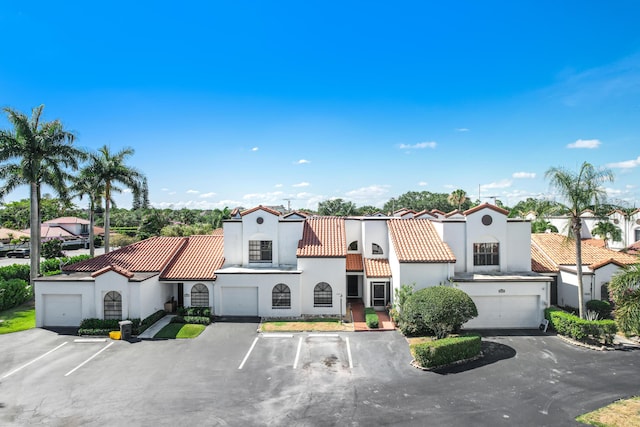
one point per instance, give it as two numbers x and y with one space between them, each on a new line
33 361
349 353
324 335
276 335
248 353
88 360
295 362
84 340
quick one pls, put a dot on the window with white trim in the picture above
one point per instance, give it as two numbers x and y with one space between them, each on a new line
353 246
260 251
376 249
199 295
113 305
486 254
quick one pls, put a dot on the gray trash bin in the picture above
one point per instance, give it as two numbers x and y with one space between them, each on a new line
126 327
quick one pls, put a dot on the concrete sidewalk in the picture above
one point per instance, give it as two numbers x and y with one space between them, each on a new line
155 328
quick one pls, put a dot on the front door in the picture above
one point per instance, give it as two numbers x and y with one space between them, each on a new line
379 295
352 287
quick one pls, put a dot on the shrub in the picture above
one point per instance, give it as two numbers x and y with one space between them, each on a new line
15 271
572 326
102 327
447 350
148 321
603 308
624 291
51 265
52 249
194 320
437 310
371 317
194 311
14 292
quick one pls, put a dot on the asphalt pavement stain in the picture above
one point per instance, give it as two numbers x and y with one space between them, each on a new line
330 361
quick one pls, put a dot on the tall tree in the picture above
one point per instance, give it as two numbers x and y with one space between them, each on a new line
36 152
607 231
457 198
624 291
87 184
580 190
110 170
336 207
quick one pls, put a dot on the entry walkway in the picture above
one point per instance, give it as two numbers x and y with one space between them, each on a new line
152 330
359 323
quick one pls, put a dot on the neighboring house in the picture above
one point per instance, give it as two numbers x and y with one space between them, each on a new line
7 235
67 229
629 226
554 255
273 265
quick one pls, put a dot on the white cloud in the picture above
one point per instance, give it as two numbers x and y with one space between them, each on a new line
613 191
368 193
164 189
255 149
278 185
505 183
196 204
585 143
450 186
301 184
171 193
207 195
462 130
271 198
629 186
627 164
303 161
524 175
419 145
192 192
422 184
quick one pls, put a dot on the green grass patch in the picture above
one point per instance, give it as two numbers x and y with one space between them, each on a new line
180 330
302 325
623 413
18 318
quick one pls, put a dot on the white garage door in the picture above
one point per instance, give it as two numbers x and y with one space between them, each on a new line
522 311
62 310
239 301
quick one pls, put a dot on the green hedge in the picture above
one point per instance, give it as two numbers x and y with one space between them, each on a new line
572 326
194 311
603 308
102 327
15 271
22 271
371 318
14 292
194 320
446 350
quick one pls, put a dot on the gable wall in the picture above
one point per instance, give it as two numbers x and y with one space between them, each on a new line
232 242
289 234
454 235
477 232
375 231
518 246
268 230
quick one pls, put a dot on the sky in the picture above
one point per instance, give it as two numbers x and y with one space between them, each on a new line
241 103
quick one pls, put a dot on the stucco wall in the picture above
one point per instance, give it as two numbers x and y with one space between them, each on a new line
188 289
153 295
375 231
112 281
353 231
422 274
289 233
232 242
85 289
454 235
518 248
268 230
329 270
477 232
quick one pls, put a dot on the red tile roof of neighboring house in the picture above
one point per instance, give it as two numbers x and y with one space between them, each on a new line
377 267
119 270
217 232
633 249
562 251
323 237
67 220
260 208
599 243
148 255
454 212
486 206
416 240
354 262
7 233
53 231
425 213
540 263
197 260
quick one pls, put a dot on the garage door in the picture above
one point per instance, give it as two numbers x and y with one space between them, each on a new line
522 311
62 310
239 301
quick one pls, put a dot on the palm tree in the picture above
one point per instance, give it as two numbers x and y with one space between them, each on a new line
40 151
86 184
457 198
607 231
581 190
624 290
109 169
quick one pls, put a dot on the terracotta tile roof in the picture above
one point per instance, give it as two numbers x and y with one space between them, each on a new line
298 213
150 255
217 232
425 213
67 220
260 208
487 206
354 262
606 262
53 231
197 260
454 212
562 251
377 267
599 243
122 271
540 263
633 249
323 237
416 240
7 233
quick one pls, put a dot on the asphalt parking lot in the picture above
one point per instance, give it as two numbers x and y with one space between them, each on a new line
231 375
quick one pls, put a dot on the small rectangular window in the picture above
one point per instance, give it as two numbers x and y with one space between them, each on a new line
260 251
486 254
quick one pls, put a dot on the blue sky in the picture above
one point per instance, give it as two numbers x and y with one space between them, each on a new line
239 103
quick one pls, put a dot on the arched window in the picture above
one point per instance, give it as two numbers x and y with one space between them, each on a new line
376 249
113 305
353 246
199 295
322 295
281 296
